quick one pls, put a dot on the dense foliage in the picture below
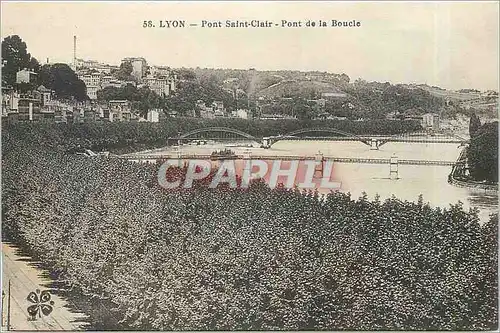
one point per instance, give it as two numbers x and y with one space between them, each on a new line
255 259
64 81
124 73
482 154
111 136
58 77
15 57
363 99
206 89
474 124
143 99
379 99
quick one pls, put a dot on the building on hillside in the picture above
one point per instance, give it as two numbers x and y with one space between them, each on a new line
159 85
321 102
203 110
240 113
266 116
91 114
59 114
78 115
218 106
430 121
93 65
333 95
112 83
10 100
160 71
172 114
172 82
153 115
139 66
105 80
28 108
25 76
92 92
92 82
119 110
46 94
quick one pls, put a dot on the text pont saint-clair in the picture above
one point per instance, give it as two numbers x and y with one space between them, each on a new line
252 24
282 23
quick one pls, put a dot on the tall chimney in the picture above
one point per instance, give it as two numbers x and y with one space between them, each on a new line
74 51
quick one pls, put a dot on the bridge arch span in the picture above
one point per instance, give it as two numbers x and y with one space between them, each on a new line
206 131
332 132
320 130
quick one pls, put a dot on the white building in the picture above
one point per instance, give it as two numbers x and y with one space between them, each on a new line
139 67
92 65
153 115
159 71
172 82
333 95
119 110
92 82
46 94
240 113
430 121
218 106
159 85
25 76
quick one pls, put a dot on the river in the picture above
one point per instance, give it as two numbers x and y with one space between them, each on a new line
356 178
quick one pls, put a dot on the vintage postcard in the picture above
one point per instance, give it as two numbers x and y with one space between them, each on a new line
219 165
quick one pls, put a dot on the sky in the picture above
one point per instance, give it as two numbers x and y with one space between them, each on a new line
453 45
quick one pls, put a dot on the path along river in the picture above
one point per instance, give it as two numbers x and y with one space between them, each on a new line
356 178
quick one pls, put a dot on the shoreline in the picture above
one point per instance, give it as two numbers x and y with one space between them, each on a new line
470 184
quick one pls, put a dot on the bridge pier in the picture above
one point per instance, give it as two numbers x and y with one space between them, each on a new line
319 167
394 168
266 143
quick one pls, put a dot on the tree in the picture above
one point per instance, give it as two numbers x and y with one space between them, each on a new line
146 100
15 57
482 153
125 72
142 99
63 80
474 124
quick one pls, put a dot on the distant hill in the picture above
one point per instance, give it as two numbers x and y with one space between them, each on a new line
376 100
297 88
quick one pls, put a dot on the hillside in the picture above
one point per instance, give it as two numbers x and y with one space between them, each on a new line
297 88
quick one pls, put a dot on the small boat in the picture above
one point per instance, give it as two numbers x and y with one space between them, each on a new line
226 154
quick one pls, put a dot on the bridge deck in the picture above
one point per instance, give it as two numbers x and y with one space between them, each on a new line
335 138
290 158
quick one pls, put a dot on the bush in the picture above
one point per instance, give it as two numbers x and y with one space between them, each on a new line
256 259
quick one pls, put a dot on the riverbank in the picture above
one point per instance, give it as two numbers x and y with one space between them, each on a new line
457 178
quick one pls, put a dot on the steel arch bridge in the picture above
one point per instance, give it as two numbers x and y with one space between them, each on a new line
435 137
218 133
332 134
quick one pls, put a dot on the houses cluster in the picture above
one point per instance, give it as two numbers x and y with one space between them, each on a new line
39 105
217 110
97 76
429 121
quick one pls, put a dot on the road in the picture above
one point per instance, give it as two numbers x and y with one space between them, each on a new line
24 278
